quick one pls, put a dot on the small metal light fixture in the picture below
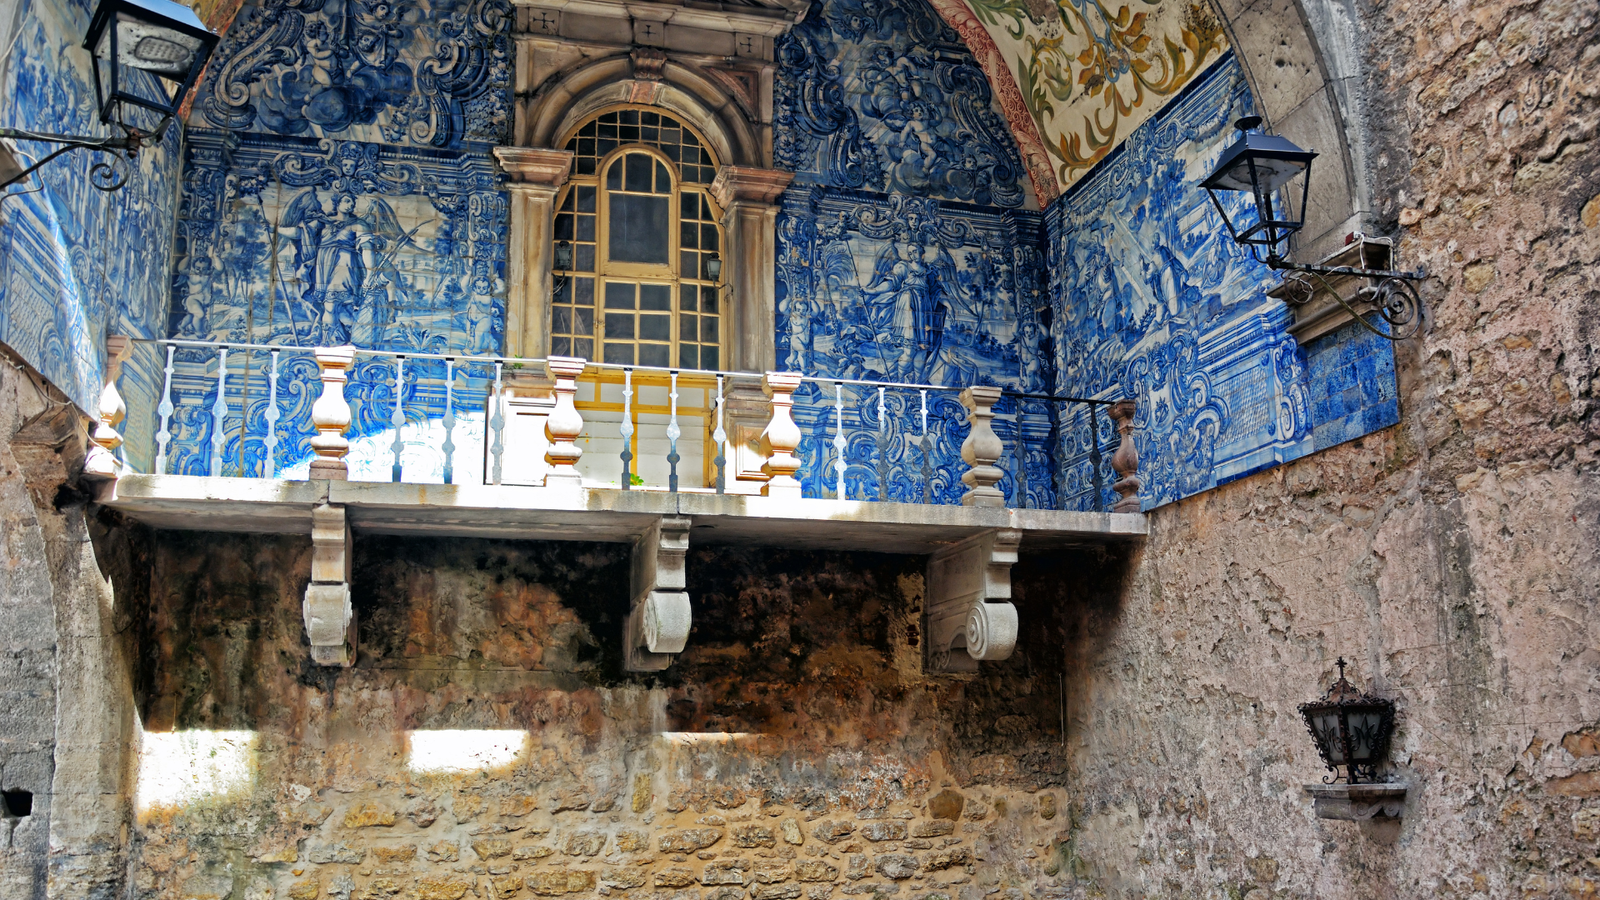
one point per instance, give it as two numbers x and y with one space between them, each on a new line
562 264
1261 165
1351 729
714 268
163 38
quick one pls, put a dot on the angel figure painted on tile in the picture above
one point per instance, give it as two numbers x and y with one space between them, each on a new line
344 259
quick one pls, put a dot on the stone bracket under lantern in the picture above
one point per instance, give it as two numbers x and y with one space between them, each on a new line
330 621
1357 802
969 614
658 622
1316 311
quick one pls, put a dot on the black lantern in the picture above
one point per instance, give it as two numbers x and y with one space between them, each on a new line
1259 165
714 268
1351 729
1262 165
561 264
164 39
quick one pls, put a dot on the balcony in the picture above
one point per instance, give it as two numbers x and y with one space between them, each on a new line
332 441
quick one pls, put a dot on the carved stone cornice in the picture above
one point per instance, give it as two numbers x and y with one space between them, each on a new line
535 165
744 184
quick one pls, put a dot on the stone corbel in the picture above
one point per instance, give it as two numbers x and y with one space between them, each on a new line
330 621
534 176
968 601
658 624
1311 299
1357 802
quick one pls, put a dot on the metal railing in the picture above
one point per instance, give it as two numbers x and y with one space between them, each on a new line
298 412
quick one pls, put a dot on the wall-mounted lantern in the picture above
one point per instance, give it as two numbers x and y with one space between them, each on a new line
1352 728
562 263
1262 165
163 38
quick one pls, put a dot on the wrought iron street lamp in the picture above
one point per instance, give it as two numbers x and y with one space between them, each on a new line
1262 166
1351 729
159 37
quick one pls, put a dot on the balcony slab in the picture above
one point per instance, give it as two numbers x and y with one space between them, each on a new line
198 503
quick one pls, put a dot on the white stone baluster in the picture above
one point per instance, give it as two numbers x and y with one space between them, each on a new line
219 414
449 420
102 462
673 433
330 415
564 423
271 415
164 434
839 442
781 437
497 424
627 429
883 447
926 446
1126 459
982 449
397 417
720 438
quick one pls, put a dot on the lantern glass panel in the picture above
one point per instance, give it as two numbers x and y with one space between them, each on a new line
1327 725
1272 173
151 47
1364 728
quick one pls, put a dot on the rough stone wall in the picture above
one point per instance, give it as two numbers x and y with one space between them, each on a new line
794 750
1452 558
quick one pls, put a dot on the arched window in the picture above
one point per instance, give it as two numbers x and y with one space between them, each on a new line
640 223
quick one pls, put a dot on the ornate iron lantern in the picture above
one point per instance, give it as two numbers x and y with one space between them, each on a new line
1351 729
1262 165
714 268
159 37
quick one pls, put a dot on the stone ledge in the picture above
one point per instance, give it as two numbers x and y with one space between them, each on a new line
199 503
1357 802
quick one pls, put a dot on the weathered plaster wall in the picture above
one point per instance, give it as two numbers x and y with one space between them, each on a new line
1452 557
793 750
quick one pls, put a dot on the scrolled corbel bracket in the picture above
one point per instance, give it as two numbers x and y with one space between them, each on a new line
658 622
1357 802
969 615
329 618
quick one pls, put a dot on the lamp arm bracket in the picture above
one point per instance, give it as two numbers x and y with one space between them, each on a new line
1397 301
103 175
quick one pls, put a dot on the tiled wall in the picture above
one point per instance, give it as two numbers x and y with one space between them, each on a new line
338 188
77 263
1154 301
906 251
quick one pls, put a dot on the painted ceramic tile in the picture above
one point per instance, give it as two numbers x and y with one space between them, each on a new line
431 74
885 97
298 242
1153 301
1076 77
77 263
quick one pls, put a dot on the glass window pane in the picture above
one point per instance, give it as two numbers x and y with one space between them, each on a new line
628 134
650 135
585 291
655 328
562 292
586 228
585 198
649 118
687 295
585 257
708 298
688 329
566 205
689 236
561 319
654 355
708 329
708 237
688 357
639 228
689 265
604 146
655 296
619 295
607 129
663 180
708 358
691 154
619 325
689 205
638 177
614 176
583 320
619 353
583 347
628 116
560 346
564 227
